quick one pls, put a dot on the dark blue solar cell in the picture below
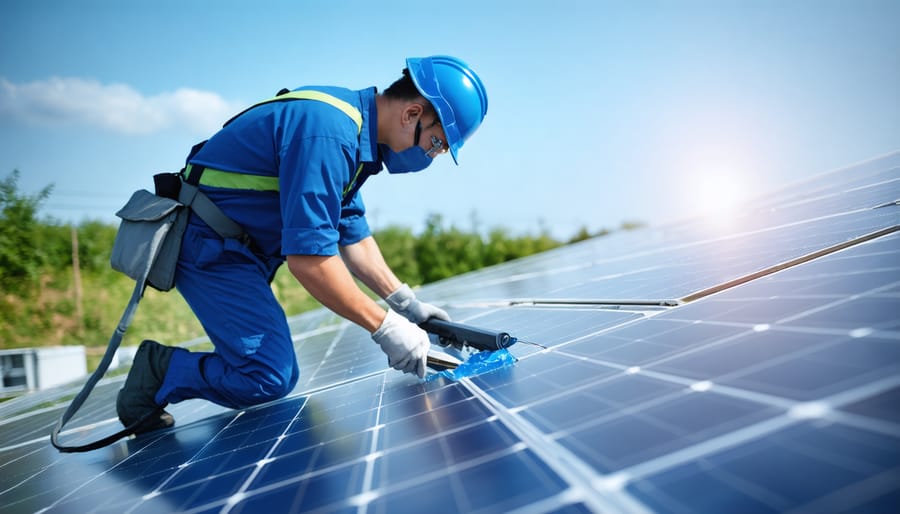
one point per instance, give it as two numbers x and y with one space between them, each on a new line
538 377
801 466
214 488
696 489
433 422
620 442
751 349
409 461
306 493
824 371
508 482
419 403
651 340
627 390
604 397
477 441
339 451
498 485
883 501
700 416
415 458
796 470
645 431
577 508
557 414
227 459
621 351
866 312
882 405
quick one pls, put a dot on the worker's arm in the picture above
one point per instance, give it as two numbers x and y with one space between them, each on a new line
326 278
329 281
366 262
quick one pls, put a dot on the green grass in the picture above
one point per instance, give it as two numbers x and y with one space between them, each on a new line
49 318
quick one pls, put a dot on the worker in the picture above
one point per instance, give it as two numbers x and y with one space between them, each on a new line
289 173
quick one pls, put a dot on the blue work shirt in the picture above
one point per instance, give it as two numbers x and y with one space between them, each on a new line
315 150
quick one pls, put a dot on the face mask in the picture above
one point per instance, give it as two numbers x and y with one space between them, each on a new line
410 160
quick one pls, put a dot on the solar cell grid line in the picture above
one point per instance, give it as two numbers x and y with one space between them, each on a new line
240 494
320 358
571 467
74 501
257 421
335 357
385 495
478 484
35 425
674 312
366 494
802 410
788 470
865 172
839 201
819 337
794 407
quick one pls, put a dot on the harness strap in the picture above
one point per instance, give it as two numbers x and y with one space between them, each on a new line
210 213
114 342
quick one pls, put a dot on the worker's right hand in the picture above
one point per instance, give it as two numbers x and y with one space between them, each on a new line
405 344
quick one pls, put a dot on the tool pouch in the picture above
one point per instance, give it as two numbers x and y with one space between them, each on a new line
146 249
149 238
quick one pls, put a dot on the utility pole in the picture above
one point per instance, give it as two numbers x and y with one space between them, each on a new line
76 275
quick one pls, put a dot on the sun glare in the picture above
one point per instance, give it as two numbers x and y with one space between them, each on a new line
718 196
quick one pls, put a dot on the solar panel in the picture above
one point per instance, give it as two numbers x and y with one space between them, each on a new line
684 368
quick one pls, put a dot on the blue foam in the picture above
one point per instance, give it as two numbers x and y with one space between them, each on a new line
478 363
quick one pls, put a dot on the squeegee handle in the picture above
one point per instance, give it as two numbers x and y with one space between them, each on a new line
458 334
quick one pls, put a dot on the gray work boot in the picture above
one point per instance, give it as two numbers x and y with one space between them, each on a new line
136 398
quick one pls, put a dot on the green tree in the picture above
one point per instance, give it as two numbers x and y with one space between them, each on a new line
95 242
632 225
22 254
443 253
398 245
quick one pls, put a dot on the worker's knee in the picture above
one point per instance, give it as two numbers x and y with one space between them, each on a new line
261 385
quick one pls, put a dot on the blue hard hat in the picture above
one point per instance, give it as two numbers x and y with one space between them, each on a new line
456 93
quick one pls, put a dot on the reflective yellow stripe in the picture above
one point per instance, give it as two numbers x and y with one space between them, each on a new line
345 107
235 180
231 180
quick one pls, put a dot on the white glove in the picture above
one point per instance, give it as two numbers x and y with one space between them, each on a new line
404 301
405 344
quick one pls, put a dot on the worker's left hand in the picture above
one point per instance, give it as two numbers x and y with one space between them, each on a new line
405 303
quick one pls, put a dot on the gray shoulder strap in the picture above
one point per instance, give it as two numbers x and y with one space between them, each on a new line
209 212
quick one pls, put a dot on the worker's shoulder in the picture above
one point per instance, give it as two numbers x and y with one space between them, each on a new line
351 96
340 108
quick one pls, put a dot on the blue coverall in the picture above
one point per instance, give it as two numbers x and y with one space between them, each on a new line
315 151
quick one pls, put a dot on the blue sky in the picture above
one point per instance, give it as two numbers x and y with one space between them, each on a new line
599 112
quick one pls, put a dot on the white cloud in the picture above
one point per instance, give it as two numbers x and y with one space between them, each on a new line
116 107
